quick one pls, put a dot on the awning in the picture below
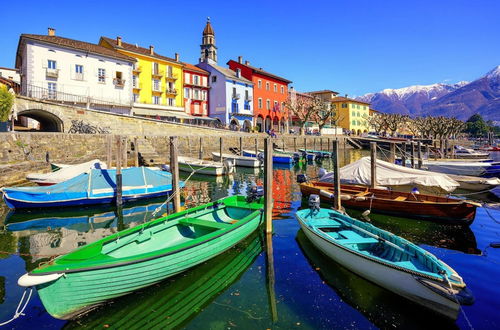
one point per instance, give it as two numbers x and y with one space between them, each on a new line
162 113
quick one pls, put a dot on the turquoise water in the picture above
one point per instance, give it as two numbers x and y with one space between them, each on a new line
236 290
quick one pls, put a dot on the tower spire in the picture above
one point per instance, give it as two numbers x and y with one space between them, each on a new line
208 48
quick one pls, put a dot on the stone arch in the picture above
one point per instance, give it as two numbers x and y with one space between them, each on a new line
259 123
359 132
268 124
234 124
49 121
247 125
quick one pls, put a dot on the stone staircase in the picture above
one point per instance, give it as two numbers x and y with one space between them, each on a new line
148 153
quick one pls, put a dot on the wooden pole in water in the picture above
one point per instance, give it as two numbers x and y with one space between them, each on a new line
427 152
336 175
446 148
125 152
256 147
119 183
305 144
109 151
241 146
403 155
373 158
268 184
136 152
321 144
435 150
412 154
174 169
419 154
294 144
220 149
283 140
314 143
200 149
392 153
271 277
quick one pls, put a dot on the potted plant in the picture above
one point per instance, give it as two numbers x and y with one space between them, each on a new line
6 102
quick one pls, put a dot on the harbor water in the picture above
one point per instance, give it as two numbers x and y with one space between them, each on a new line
236 290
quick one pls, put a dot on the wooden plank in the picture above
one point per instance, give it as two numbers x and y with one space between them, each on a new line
174 169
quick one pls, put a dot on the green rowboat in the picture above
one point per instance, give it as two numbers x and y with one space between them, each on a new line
141 256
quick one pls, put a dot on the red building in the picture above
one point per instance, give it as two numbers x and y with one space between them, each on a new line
195 90
270 93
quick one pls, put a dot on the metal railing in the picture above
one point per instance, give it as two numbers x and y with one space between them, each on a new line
236 96
119 82
171 75
52 73
157 73
171 91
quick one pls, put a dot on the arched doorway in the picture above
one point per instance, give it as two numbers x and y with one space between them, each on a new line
260 123
247 125
234 125
359 132
276 124
48 122
268 124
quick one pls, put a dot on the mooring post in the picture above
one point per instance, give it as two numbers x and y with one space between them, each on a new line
427 152
109 151
321 144
119 182
392 153
220 149
295 144
268 184
305 144
435 150
200 149
336 175
125 152
256 147
283 141
136 152
314 143
403 155
271 277
373 164
419 154
412 145
241 146
441 147
174 170
446 152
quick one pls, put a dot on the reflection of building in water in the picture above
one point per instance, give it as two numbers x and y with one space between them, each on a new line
282 191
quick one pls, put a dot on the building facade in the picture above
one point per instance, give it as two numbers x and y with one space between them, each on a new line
270 95
11 74
231 94
157 80
352 115
63 69
195 90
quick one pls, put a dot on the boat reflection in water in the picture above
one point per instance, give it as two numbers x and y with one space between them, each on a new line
459 238
175 301
382 307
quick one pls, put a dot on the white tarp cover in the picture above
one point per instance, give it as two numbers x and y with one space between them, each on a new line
389 175
66 173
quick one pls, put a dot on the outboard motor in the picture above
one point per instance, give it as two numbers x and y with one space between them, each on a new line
165 167
415 191
301 178
314 202
254 193
322 172
260 156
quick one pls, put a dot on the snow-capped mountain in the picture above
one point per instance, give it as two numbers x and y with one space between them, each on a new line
460 100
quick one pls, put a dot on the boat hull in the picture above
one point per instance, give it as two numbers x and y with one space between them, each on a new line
243 161
454 213
399 282
276 158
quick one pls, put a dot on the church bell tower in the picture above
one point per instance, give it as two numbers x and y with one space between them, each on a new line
208 49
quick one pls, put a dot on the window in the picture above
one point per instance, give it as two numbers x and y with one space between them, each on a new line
51 64
134 81
275 88
359 114
196 94
259 83
344 105
156 85
196 80
283 105
334 106
186 93
267 86
156 68
136 98
354 122
234 106
214 79
234 92
171 102
52 87
276 106
260 103
204 94
101 75
169 71
171 86
156 99
78 68
268 105
246 94
282 90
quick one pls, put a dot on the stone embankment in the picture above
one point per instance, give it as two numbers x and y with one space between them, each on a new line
23 153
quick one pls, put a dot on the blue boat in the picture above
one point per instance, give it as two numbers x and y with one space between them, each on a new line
318 153
279 159
96 187
385 259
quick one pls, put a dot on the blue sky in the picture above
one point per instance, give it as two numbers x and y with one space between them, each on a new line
353 47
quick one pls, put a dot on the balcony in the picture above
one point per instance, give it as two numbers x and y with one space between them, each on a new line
236 96
137 69
156 89
137 85
52 73
79 76
248 98
171 76
119 82
171 91
157 74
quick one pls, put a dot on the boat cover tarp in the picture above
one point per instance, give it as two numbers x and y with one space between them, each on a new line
95 185
67 172
389 174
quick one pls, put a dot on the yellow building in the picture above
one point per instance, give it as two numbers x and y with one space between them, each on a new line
351 114
157 80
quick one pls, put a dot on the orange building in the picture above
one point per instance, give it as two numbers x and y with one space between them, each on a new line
270 93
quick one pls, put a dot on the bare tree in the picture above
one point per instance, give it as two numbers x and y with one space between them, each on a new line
322 113
302 109
395 121
378 122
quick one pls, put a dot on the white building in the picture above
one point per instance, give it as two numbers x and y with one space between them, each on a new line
63 69
11 74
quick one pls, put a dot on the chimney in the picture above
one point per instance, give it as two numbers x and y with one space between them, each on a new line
238 72
240 59
247 62
152 50
177 57
119 41
51 32
345 96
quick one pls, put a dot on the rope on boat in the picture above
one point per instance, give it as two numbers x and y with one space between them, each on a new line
473 193
20 307
456 300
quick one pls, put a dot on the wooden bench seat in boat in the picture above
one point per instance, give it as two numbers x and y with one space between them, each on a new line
400 198
363 193
352 237
204 223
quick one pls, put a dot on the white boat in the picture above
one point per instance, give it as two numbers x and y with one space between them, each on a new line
474 183
65 172
462 168
461 152
208 167
393 176
243 161
386 260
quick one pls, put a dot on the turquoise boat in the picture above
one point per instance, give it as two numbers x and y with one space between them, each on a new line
141 256
318 153
386 259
